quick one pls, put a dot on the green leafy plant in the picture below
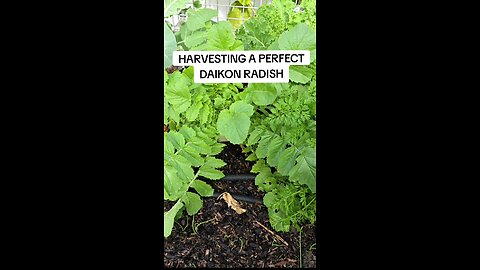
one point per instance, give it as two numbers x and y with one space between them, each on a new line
274 122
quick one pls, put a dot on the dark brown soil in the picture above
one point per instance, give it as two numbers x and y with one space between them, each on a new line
219 237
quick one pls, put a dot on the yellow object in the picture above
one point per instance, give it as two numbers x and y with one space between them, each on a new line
239 13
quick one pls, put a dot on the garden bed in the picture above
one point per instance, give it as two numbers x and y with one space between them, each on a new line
219 237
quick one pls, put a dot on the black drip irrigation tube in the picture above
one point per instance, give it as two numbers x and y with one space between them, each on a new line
235 177
238 177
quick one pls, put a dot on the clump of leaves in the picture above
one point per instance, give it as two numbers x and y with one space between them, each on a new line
282 138
193 112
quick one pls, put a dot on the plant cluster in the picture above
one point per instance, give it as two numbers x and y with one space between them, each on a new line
274 122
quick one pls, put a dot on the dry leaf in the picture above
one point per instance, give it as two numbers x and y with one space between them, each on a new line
232 203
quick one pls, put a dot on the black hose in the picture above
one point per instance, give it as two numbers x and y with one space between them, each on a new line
240 198
235 177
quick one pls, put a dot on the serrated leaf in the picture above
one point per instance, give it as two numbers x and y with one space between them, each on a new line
218 102
287 161
171 182
177 139
193 202
202 188
169 218
187 132
262 148
191 154
217 148
304 171
172 114
183 167
255 135
204 113
200 145
275 149
210 173
214 162
193 111
168 146
177 92
258 166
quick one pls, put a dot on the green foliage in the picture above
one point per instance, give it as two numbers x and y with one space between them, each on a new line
235 122
191 112
169 45
271 20
275 122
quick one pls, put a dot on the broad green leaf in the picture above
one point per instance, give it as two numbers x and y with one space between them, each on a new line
262 93
275 149
202 188
237 46
233 126
301 74
220 37
305 170
198 17
242 107
300 37
169 218
193 202
169 45
196 39
235 122
210 173
262 148
287 161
